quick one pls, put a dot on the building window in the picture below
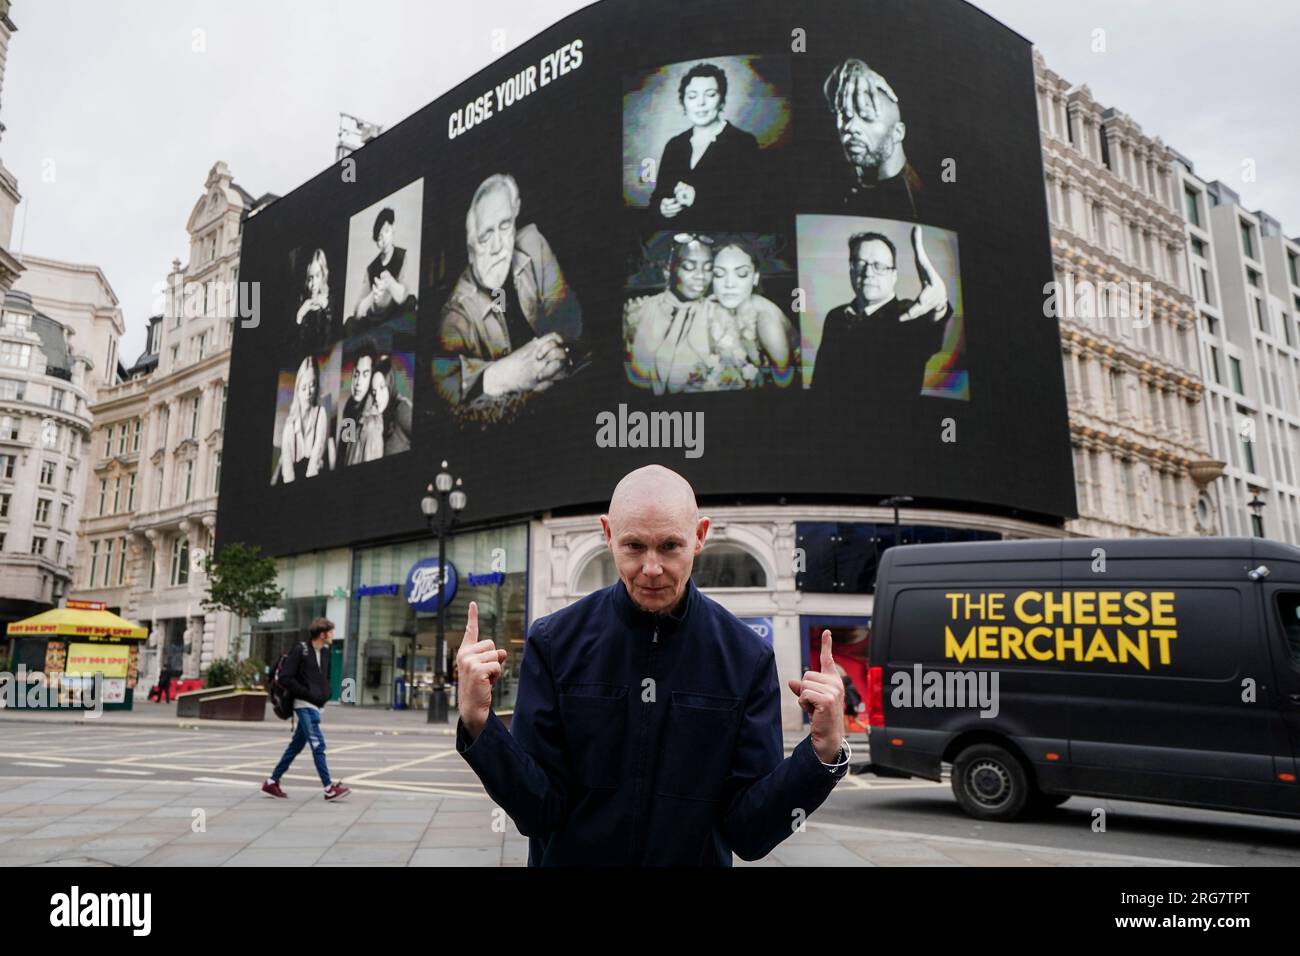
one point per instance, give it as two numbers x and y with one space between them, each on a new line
1198 247
58 552
130 492
189 481
11 390
47 473
94 563
1257 525
216 472
121 563
38 546
180 567
108 441
135 435
1260 321
117 496
67 478
108 563
103 494
8 428
52 434
201 346
1235 364
6 466
63 516
1247 239
1205 285
43 506
56 398
153 567
15 354
4 506
1252 277
194 417
175 349
225 390
1211 324
1248 445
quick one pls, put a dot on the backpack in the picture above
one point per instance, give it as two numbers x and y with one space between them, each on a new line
281 699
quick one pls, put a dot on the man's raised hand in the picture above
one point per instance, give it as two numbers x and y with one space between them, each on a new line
478 664
934 293
821 695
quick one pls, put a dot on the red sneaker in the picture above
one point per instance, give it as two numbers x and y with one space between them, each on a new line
273 789
335 791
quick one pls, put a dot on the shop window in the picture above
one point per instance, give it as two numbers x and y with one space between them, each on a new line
842 558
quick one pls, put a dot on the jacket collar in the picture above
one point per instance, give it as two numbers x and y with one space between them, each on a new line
641 620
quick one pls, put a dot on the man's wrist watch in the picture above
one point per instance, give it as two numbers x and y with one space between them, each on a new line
841 759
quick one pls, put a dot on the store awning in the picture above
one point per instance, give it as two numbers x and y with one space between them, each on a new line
78 622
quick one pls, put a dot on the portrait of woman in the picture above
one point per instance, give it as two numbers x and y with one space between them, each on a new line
750 339
710 329
305 443
385 427
315 317
666 334
708 170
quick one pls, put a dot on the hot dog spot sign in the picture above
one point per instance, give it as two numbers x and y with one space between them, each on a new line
1083 627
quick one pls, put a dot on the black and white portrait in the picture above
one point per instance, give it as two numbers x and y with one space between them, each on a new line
697 137
511 326
698 320
304 444
877 178
901 333
316 321
383 272
376 409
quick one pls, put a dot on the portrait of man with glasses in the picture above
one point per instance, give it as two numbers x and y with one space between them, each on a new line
884 349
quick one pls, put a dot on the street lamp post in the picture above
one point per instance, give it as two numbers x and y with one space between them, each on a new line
1256 505
445 504
894 502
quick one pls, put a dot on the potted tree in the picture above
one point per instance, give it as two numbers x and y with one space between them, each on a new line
242 582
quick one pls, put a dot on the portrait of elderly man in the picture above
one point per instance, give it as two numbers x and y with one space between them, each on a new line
878 349
647 728
880 180
507 325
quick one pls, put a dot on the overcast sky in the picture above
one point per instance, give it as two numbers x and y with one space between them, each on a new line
110 100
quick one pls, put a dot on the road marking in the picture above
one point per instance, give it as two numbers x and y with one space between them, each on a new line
233 783
403 765
1119 859
36 763
134 773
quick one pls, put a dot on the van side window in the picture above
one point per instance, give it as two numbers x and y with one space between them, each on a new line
1288 606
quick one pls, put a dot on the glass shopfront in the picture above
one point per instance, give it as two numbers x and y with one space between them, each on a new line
393 655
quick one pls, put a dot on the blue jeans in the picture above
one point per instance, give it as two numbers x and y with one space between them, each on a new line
307 732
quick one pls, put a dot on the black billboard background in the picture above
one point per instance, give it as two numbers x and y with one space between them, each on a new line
966 92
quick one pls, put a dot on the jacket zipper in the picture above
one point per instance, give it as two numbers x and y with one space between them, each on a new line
642 733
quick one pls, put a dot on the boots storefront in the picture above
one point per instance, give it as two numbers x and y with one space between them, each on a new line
394 614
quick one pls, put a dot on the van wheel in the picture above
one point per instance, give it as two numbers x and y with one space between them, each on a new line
990 783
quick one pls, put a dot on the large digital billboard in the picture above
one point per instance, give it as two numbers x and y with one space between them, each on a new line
792 250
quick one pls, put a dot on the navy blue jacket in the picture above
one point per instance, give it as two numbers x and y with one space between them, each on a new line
642 739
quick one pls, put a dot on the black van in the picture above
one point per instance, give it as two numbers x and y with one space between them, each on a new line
1163 670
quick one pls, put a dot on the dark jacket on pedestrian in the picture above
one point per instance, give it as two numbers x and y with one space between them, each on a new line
306 673
641 739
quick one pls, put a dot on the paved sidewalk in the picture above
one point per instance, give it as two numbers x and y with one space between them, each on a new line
80 822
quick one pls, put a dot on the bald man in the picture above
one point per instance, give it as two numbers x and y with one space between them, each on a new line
647 729
871 129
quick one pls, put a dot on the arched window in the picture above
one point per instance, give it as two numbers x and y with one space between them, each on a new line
728 566
597 573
